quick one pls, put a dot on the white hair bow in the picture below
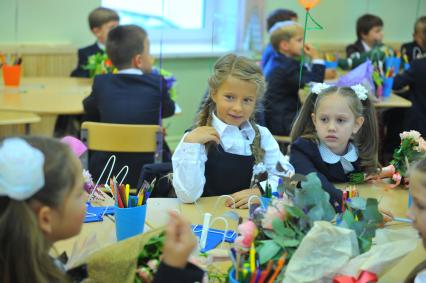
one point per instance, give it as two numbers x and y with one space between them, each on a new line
21 169
360 91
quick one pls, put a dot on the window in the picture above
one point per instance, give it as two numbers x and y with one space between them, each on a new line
184 26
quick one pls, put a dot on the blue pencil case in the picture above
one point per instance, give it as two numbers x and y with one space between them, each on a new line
214 237
94 213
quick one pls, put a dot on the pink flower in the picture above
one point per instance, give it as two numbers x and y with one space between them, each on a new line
275 210
248 231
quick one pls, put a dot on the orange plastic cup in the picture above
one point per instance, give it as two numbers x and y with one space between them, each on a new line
11 75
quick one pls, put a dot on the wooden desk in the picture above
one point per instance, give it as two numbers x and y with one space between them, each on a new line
47 97
394 101
16 123
394 200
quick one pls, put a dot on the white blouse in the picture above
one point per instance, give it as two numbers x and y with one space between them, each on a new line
346 160
189 158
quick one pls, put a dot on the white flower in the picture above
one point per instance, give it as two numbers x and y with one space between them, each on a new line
360 91
319 87
259 169
411 134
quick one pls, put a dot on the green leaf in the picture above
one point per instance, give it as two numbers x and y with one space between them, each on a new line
357 203
291 243
280 229
294 211
371 212
348 218
268 250
278 226
364 244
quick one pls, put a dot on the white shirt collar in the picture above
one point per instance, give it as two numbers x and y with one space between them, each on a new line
366 47
131 71
228 132
330 157
100 45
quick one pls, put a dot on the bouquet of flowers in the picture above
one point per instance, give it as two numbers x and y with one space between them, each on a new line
273 235
412 148
99 64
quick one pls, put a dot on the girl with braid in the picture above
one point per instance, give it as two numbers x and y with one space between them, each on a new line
218 156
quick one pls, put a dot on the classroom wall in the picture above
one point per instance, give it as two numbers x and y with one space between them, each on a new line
62 24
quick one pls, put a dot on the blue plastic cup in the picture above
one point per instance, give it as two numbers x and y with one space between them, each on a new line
394 62
331 64
265 201
129 221
232 277
387 87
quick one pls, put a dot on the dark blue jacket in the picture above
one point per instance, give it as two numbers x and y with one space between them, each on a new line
410 49
83 56
415 78
126 99
267 55
281 100
306 158
354 47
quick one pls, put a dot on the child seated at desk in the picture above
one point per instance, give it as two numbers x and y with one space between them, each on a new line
218 156
416 48
101 21
369 32
132 96
282 74
414 77
418 215
334 135
42 201
278 15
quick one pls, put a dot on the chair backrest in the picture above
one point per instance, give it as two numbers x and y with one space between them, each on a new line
120 137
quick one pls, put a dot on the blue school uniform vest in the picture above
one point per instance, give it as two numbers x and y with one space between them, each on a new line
226 173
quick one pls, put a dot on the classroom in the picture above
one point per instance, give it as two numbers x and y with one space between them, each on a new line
220 141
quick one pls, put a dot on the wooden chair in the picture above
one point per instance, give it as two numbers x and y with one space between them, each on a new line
283 141
119 137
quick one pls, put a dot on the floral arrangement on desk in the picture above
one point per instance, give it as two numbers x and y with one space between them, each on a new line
99 64
283 240
412 148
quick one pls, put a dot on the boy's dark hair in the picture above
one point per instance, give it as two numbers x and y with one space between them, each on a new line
123 43
366 22
101 16
279 15
421 20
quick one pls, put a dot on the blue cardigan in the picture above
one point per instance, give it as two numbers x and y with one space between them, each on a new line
306 158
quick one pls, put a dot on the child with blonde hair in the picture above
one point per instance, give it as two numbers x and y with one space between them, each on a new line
335 135
282 73
218 156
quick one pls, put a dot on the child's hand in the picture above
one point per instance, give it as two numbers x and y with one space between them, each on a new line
241 198
330 74
387 215
202 135
180 241
311 51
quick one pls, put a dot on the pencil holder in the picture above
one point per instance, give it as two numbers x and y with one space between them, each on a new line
331 65
394 62
232 277
265 202
11 75
387 87
129 221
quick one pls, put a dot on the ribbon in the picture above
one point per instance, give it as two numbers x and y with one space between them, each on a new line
364 277
316 27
